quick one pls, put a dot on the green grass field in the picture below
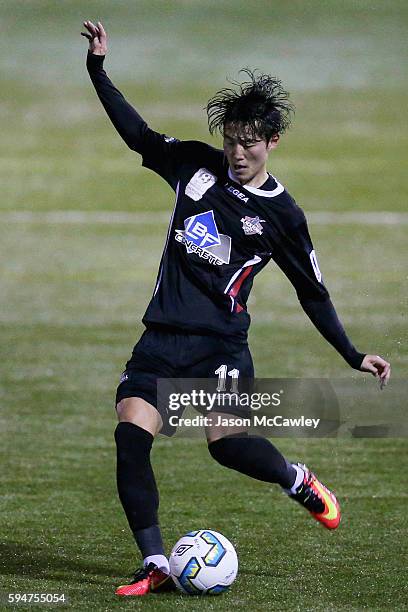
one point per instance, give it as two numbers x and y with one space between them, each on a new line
73 292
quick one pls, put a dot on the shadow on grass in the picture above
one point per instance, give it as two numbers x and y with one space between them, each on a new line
41 562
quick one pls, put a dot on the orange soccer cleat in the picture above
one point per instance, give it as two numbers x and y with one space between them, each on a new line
146 580
315 497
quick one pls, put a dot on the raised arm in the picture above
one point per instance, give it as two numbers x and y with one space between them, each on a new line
160 153
127 121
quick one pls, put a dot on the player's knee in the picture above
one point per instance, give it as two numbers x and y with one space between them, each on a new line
137 411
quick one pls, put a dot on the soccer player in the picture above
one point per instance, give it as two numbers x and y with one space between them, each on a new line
230 218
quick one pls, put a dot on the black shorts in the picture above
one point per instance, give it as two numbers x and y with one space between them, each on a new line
178 355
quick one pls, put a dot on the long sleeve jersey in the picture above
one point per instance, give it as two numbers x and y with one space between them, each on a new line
221 234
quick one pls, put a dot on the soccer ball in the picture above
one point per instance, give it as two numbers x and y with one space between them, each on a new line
203 562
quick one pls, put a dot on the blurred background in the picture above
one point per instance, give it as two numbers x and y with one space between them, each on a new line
345 65
82 227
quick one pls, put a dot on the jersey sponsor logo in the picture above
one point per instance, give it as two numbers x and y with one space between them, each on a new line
252 225
201 229
236 192
201 236
200 183
315 266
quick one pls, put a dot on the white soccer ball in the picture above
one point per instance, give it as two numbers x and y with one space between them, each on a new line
203 562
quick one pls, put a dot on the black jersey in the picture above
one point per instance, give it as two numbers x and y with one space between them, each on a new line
221 235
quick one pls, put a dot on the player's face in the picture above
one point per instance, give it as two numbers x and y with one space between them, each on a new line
246 155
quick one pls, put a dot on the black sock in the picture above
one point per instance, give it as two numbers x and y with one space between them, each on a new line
149 541
255 457
137 486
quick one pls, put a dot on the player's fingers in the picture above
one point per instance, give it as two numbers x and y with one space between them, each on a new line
91 27
98 34
384 365
383 383
88 36
101 29
380 360
384 369
384 378
386 373
370 367
381 364
92 32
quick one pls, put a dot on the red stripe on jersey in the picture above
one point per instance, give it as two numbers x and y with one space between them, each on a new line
233 292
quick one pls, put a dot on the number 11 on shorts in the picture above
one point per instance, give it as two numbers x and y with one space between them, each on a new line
222 378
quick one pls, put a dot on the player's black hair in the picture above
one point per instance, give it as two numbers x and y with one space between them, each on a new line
260 105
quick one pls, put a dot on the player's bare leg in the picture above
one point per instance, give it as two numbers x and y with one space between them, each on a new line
139 423
139 412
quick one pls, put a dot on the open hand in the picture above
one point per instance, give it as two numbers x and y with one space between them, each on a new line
378 367
98 40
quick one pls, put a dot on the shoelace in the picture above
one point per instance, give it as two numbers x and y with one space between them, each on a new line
309 497
143 573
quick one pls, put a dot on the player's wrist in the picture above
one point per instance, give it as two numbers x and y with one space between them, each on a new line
94 60
356 359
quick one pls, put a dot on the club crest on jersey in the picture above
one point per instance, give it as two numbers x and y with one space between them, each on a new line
201 182
252 225
201 236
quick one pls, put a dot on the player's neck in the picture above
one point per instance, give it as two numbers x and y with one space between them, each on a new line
256 181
